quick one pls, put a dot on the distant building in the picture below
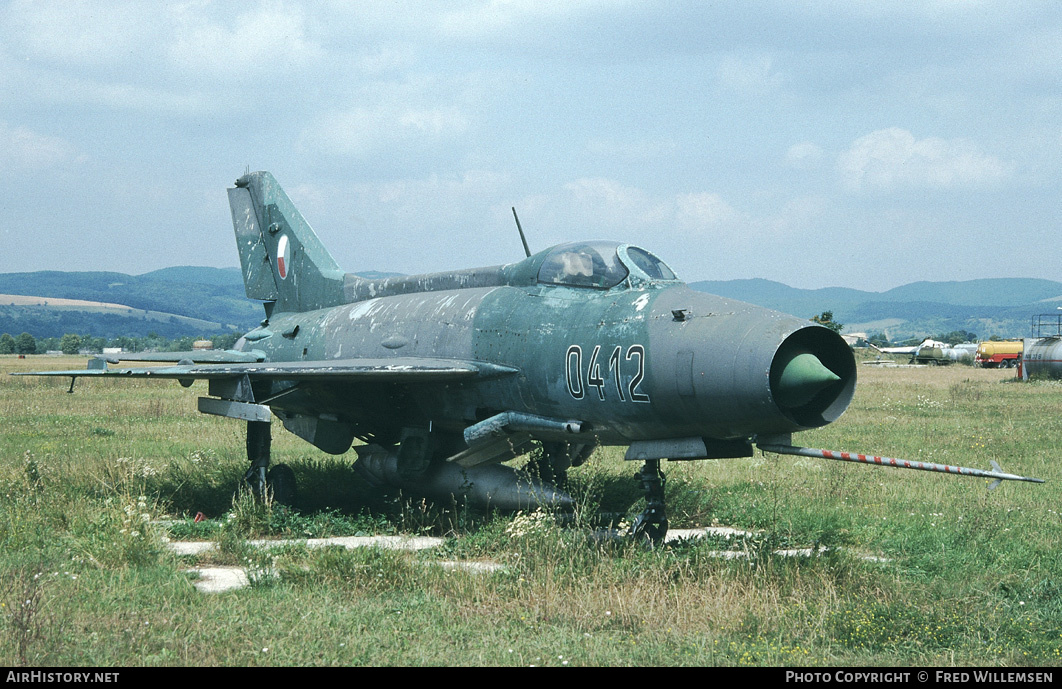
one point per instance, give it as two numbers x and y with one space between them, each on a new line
202 344
112 350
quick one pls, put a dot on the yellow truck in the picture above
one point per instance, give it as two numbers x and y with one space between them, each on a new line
999 354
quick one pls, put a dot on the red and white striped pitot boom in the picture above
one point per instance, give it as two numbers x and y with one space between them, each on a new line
996 473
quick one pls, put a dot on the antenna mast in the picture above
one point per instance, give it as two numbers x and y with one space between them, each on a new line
523 239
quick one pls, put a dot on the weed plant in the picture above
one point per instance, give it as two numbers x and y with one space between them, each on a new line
909 568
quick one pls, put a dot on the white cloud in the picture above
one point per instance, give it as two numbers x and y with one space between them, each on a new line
177 58
804 156
124 96
491 18
643 149
890 158
606 202
748 75
615 207
606 191
799 214
433 121
423 224
83 34
24 150
700 234
434 192
361 131
385 58
271 39
704 210
444 198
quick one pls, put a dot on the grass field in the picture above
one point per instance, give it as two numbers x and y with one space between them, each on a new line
918 568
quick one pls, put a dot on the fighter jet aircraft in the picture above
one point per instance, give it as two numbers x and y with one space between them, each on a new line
443 377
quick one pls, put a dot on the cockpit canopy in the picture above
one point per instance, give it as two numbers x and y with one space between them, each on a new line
600 265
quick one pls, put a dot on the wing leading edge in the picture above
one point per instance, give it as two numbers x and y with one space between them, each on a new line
390 370
195 356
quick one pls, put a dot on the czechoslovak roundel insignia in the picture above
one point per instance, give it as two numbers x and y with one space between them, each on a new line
283 257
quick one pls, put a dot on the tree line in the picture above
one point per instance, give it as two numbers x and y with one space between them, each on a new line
72 343
879 340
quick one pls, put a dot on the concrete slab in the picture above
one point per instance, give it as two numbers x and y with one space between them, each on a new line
219 579
453 566
678 534
390 542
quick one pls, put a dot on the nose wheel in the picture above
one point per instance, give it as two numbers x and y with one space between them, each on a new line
651 525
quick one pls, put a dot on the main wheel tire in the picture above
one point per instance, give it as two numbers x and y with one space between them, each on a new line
648 530
281 483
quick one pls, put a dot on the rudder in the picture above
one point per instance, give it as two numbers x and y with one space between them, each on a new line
282 259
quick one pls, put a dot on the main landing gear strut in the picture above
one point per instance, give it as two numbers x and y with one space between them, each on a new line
651 524
278 482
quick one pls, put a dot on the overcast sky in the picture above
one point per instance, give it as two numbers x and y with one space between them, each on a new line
821 143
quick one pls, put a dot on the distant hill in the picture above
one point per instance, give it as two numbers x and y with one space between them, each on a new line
775 295
173 302
995 306
56 320
985 292
224 277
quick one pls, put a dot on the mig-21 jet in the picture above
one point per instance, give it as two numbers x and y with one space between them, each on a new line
443 377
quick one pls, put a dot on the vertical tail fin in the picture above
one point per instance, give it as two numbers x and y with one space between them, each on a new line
283 261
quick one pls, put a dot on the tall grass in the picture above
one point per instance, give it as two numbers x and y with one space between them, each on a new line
913 568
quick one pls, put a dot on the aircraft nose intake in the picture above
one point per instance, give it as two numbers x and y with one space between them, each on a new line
803 377
812 377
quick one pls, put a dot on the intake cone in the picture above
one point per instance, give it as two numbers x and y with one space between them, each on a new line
803 377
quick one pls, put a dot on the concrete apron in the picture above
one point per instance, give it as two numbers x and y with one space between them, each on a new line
218 579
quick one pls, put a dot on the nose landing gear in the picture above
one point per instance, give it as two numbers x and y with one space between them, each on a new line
651 525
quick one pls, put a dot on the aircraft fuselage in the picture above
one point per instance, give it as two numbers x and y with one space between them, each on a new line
632 363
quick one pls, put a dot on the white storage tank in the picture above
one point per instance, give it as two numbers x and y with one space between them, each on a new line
1042 357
